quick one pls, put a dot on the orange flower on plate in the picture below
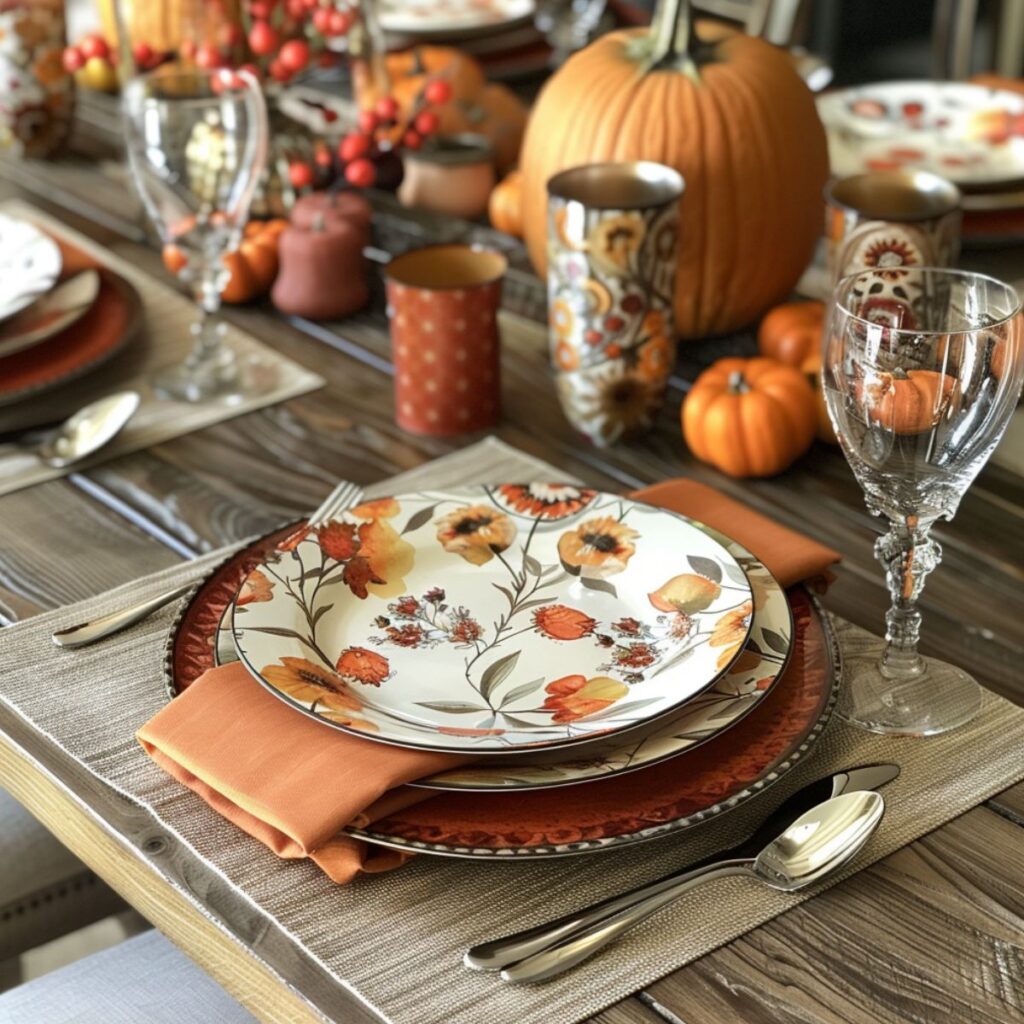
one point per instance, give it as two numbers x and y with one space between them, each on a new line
338 540
574 697
255 588
544 501
476 532
367 667
309 683
597 548
390 558
559 622
730 631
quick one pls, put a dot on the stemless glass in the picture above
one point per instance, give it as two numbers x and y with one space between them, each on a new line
197 144
922 369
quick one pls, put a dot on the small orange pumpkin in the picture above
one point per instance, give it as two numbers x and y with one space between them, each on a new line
908 402
505 206
252 267
792 332
749 417
811 368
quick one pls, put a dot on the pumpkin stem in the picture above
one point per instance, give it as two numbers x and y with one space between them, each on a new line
737 383
900 374
671 41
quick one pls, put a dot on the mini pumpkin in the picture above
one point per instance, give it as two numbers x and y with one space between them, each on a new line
505 205
908 402
252 266
811 368
792 332
749 417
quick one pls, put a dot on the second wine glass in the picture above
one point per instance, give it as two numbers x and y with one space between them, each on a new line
197 145
922 369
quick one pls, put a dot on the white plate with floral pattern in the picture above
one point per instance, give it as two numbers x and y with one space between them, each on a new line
970 134
473 620
727 702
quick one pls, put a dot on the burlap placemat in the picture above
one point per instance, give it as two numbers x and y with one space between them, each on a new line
397 939
164 341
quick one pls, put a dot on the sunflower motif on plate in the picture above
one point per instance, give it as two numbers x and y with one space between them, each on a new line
530 616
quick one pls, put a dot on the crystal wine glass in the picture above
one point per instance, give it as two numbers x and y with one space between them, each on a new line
197 145
922 369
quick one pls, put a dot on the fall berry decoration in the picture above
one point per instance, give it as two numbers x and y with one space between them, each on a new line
907 402
91 61
367 156
749 417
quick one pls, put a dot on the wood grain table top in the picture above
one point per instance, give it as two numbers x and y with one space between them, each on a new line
933 933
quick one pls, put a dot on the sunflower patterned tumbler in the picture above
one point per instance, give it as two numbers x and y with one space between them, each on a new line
612 240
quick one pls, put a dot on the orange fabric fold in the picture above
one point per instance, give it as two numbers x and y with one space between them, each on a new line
789 556
295 785
282 777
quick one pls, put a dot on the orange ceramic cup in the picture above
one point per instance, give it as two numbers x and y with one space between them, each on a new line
443 306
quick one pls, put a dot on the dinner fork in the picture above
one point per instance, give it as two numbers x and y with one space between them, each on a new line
344 496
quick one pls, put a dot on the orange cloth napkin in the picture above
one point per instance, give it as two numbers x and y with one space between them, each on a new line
294 784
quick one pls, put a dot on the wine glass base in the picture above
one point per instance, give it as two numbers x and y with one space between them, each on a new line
943 697
226 380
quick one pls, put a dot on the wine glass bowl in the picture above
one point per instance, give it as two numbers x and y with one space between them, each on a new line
197 145
922 368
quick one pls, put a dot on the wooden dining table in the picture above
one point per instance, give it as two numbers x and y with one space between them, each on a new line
957 893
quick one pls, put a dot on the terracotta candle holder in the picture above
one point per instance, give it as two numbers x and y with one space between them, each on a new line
443 306
331 206
322 276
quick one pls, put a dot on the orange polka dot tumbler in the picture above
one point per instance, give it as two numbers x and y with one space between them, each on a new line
443 306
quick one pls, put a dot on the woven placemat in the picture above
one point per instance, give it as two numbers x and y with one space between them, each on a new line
164 340
396 940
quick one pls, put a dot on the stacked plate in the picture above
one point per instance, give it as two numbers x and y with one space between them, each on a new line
57 322
970 134
545 636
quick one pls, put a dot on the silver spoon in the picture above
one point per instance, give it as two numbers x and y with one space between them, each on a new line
816 844
86 431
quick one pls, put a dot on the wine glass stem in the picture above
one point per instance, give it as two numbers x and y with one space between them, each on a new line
908 554
207 331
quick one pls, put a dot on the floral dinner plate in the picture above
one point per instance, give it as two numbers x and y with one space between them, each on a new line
970 134
660 800
493 620
733 696
200 639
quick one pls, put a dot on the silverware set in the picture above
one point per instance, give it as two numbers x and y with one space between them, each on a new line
812 835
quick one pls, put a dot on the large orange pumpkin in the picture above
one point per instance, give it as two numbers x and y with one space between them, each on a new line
733 117
749 417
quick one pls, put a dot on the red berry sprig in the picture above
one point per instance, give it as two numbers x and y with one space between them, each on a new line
380 128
